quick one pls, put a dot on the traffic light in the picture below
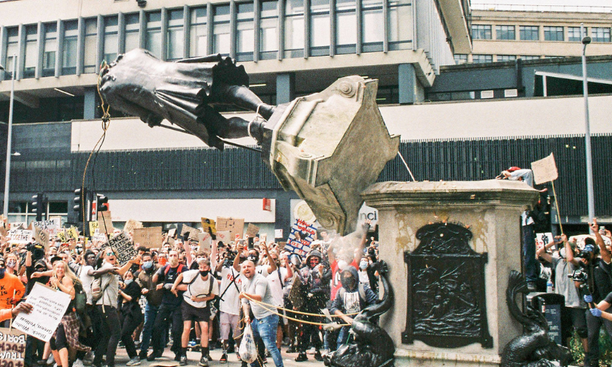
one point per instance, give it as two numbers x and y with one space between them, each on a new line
80 199
38 205
101 203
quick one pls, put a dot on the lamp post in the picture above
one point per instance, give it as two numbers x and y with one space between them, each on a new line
587 132
9 139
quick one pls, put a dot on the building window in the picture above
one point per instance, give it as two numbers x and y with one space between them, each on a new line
245 34
461 58
268 30
600 34
400 30
175 45
49 49
221 29
529 32
31 51
573 34
481 59
481 31
294 28
198 40
346 27
372 30
502 58
529 57
91 50
11 51
505 32
553 33
153 39
319 28
69 49
111 38
132 28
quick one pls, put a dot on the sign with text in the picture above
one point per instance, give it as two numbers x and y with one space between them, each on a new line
12 347
149 237
252 230
234 225
302 234
105 223
209 225
193 232
48 307
205 240
544 170
123 247
224 236
131 225
51 226
20 235
41 236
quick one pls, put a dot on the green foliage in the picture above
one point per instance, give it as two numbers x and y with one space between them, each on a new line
605 349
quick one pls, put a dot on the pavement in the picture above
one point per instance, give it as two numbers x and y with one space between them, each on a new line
194 357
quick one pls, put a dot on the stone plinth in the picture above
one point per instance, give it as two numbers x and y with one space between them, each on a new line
490 210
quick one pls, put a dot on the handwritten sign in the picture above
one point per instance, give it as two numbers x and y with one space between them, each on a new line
131 225
302 234
41 236
545 170
51 226
234 225
20 235
252 230
73 233
123 247
105 223
193 233
205 241
149 237
224 236
48 306
12 347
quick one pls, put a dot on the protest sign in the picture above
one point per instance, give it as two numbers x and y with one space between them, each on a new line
278 233
252 230
105 223
172 233
131 225
98 237
234 225
224 236
51 226
205 240
208 225
193 232
73 233
48 307
544 170
123 247
149 237
12 347
302 234
62 236
41 236
20 235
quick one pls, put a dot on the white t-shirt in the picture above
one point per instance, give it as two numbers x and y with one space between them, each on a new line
198 287
276 288
230 303
86 281
262 269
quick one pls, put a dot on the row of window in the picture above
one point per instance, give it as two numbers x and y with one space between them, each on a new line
286 29
532 33
479 59
22 212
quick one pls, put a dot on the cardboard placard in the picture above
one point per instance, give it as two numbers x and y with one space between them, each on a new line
148 237
234 225
172 233
124 248
41 236
224 236
278 233
51 226
131 225
99 237
105 223
306 233
544 170
20 235
209 225
12 347
73 233
205 240
193 232
252 230
49 306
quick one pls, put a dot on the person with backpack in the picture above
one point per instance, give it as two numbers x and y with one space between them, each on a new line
199 288
350 299
170 308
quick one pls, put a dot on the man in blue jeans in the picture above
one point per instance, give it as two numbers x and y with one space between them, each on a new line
154 298
255 289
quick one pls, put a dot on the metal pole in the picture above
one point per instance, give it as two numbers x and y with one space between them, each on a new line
587 131
9 141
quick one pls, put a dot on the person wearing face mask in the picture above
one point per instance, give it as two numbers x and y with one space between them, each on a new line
154 298
12 264
199 287
131 315
12 286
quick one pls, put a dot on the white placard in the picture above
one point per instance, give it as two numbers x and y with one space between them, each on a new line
48 308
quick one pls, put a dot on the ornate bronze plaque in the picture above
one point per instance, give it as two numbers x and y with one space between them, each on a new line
446 289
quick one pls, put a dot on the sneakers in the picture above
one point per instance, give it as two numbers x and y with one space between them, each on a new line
203 362
301 357
132 362
183 360
223 358
154 355
318 356
78 363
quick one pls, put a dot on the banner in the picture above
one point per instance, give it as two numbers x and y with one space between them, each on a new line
234 225
123 247
301 236
149 237
544 170
49 306
12 347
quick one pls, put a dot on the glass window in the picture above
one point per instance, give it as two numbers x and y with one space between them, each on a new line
11 51
132 28
530 57
481 31
506 58
111 38
153 39
91 32
505 32
372 30
529 32
245 34
221 29
400 30
573 34
31 51
553 33
319 27
198 39
346 27
600 34
268 30
175 45
49 49
461 58
69 49
294 28
480 59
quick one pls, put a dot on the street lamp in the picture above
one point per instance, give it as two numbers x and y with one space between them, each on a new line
587 133
9 139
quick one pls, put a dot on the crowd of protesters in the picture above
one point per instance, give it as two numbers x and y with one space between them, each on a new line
183 296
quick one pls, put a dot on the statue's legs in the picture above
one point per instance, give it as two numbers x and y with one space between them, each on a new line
232 128
243 97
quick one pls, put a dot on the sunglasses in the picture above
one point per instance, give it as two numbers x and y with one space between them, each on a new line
110 253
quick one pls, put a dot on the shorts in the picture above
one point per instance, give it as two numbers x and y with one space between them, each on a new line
228 321
575 317
191 313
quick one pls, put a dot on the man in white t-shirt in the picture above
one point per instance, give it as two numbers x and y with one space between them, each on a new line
199 288
277 281
229 305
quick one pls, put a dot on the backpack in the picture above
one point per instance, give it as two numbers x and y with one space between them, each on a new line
178 270
80 298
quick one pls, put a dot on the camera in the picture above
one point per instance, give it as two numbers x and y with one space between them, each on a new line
579 275
37 250
229 258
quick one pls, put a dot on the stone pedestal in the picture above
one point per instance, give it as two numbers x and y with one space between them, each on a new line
491 211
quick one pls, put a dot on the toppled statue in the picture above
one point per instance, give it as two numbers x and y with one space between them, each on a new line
535 348
184 93
372 346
